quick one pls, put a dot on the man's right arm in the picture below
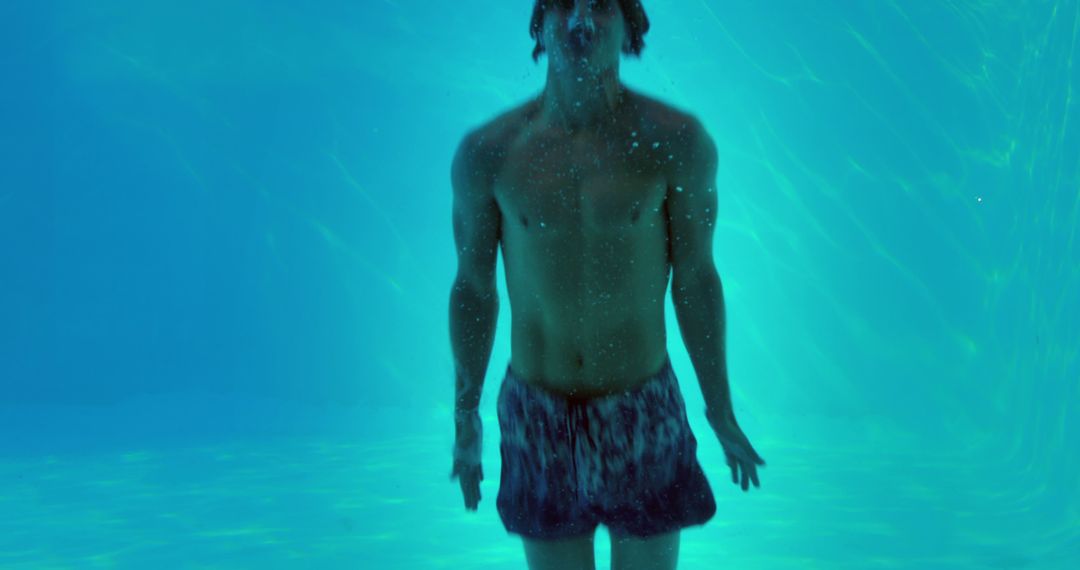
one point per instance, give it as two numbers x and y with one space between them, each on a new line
474 300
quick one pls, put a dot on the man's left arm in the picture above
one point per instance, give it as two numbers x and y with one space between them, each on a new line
696 290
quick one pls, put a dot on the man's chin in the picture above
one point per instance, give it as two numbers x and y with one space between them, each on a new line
580 62
583 61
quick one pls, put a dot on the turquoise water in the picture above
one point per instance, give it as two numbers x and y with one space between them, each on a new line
227 253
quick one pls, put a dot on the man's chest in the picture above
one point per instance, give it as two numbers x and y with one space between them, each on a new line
590 182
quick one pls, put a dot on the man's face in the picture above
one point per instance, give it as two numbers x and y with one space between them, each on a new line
584 34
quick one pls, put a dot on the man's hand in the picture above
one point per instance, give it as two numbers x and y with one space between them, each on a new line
467 445
740 454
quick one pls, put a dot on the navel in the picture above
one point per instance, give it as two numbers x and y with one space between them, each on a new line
524 221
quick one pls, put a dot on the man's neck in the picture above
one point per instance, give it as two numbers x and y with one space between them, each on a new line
574 104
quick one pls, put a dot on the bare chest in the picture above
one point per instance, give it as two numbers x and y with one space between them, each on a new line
588 186
584 240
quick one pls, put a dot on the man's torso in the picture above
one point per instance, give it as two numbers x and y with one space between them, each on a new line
584 236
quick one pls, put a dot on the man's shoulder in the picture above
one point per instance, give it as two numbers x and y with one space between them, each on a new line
666 117
497 131
484 146
682 132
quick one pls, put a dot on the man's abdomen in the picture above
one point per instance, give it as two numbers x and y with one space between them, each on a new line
590 359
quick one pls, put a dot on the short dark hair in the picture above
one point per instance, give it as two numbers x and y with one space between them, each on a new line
637 25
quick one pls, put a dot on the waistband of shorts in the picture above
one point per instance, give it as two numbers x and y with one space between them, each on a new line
665 374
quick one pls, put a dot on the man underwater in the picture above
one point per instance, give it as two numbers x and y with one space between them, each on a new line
595 193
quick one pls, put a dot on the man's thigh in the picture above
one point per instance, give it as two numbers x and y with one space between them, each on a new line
636 461
659 552
539 493
575 553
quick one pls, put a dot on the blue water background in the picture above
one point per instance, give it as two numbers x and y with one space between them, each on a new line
226 257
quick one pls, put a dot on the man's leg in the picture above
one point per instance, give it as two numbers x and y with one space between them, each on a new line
659 552
650 485
538 497
566 554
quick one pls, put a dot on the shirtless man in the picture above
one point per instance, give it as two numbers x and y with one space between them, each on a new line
595 194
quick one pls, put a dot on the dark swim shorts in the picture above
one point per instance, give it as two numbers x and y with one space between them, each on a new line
627 461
